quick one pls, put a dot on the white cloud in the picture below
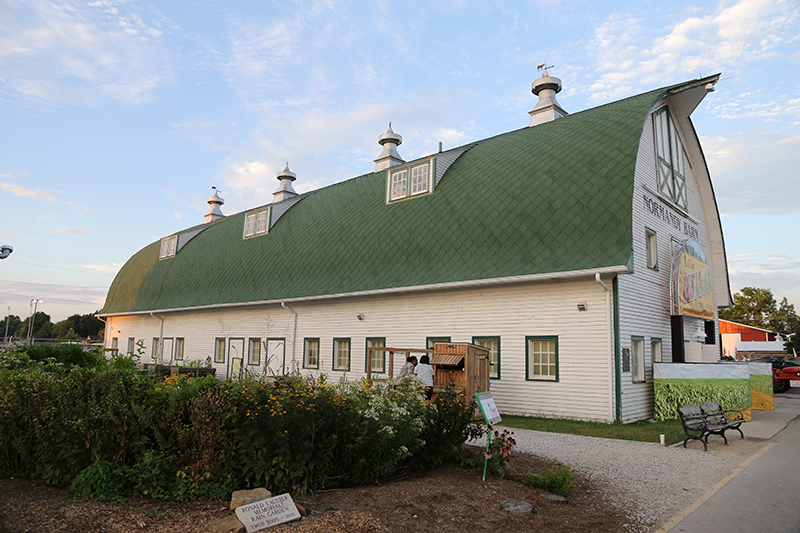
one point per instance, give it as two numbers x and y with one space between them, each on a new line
757 174
103 268
25 192
77 53
778 272
74 231
732 38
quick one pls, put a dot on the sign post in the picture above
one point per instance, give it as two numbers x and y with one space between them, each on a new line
491 415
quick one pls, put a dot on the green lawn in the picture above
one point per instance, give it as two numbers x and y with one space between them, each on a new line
645 431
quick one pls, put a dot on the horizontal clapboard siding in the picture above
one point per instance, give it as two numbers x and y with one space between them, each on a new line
510 312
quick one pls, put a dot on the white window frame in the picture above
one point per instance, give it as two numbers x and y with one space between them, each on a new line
419 179
311 353
671 160
399 184
541 358
637 359
168 247
256 223
651 248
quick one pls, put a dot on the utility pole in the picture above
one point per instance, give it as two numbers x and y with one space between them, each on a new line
8 319
34 306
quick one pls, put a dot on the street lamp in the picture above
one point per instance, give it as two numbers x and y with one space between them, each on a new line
34 306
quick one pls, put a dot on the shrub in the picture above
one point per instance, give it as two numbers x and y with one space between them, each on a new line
557 479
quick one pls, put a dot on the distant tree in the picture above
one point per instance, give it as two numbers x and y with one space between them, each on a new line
13 325
757 307
61 328
42 327
88 325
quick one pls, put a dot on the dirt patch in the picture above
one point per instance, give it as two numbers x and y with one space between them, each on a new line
450 498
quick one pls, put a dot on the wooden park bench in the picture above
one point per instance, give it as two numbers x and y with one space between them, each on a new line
708 419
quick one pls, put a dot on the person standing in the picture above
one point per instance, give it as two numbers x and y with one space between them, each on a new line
424 371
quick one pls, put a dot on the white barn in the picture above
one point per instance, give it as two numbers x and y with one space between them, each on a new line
552 245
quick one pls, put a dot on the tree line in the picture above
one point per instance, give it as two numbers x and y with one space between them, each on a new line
73 327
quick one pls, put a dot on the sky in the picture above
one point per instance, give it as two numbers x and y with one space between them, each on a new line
118 117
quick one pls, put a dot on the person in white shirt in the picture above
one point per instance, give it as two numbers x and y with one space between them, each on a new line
425 372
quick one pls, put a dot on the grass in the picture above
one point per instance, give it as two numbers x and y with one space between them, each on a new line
644 431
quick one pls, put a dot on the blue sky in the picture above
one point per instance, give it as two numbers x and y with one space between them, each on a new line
118 117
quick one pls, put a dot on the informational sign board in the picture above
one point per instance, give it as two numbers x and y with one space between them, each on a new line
490 412
692 286
267 513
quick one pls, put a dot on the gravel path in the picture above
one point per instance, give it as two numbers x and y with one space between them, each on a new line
650 482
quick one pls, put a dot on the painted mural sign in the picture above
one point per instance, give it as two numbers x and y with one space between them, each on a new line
676 384
692 286
761 386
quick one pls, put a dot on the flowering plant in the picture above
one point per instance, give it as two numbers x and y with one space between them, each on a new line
497 453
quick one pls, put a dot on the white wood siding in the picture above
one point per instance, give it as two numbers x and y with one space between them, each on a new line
644 296
511 312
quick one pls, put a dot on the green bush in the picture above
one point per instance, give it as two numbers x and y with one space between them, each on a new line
557 480
108 431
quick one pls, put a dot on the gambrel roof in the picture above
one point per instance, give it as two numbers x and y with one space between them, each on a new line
552 198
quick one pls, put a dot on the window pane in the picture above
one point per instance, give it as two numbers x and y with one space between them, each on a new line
255 352
637 358
655 351
377 358
399 184
342 354
219 351
312 353
179 349
542 359
261 222
652 252
419 179
494 355
249 225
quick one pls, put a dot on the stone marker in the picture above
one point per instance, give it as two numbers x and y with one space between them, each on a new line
517 507
240 497
266 513
555 498
228 524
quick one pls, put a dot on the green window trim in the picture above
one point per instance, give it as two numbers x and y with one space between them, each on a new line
219 350
382 340
651 248
336 353
430 341
638 369
528 370
254 341
494 369
410 180
180 344
306 343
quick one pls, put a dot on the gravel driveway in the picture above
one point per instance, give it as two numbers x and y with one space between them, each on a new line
652 482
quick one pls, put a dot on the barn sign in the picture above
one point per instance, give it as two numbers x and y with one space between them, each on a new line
691 281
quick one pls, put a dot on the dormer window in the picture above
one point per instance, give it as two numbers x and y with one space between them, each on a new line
168 246
670 159
256 223
410 180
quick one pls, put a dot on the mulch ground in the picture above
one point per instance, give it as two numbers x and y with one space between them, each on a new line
450 498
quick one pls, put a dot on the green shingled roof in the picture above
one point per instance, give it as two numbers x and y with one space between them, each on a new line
552 198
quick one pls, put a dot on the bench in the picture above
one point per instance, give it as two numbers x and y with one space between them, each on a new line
708 419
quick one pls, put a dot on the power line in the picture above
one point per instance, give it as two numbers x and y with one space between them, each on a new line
67 238
52 299
62 268
103 287
51 258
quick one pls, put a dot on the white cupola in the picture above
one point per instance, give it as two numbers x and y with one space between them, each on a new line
547 108
285 191
214 211
389 157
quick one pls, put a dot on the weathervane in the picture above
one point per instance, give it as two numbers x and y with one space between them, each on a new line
543 67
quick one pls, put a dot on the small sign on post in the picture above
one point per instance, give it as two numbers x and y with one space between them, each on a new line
267 513
491 415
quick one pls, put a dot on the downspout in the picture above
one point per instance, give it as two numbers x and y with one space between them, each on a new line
294 332
105 329
160 338
610 344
